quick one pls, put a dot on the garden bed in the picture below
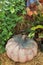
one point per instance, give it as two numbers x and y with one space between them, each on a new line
13 20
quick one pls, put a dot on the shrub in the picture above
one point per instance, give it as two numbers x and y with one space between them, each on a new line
10 11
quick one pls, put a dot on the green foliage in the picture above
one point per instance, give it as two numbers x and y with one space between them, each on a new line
36 24
10 11
37 27
41 35
31 34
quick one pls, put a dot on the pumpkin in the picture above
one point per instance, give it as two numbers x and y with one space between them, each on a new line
21 48
29 12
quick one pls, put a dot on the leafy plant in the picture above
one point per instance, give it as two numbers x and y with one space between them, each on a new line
37 23
36 27
10 11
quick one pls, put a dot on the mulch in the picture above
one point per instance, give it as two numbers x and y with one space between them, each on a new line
38 60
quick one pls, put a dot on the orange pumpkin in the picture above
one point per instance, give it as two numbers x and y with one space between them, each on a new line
30 13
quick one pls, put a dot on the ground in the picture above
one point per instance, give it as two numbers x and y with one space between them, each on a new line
38 60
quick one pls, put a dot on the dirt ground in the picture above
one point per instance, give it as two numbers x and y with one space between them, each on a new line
38 60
